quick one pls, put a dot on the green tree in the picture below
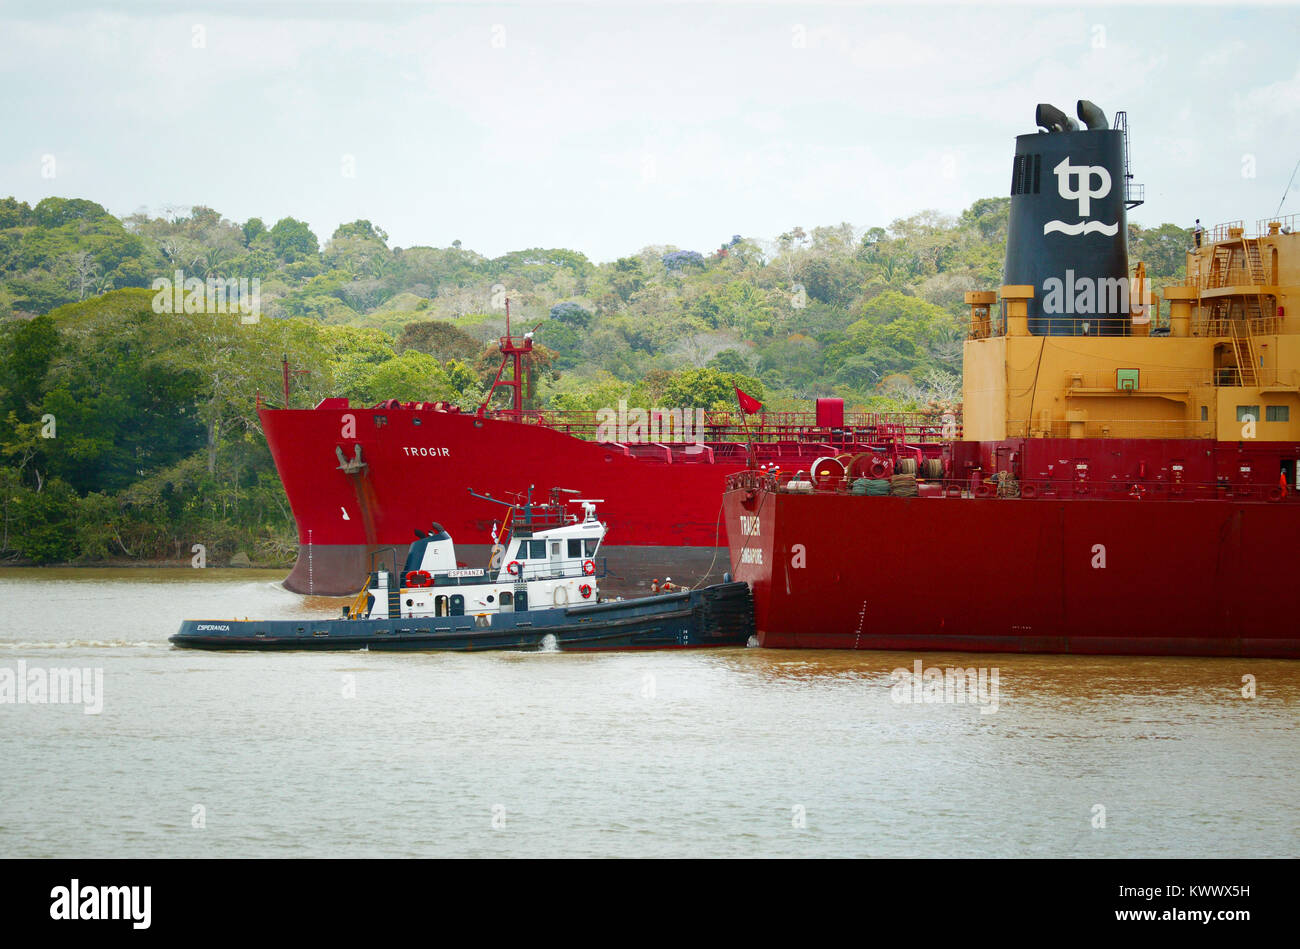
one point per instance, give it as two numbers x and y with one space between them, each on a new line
440 339
293 240
709 388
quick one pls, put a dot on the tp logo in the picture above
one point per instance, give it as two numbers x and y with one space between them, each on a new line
1075 183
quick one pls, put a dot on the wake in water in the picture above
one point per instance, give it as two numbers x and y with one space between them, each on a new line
87 644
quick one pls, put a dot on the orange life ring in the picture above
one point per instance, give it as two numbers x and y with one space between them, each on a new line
1275 494
984 491
1028 491
514 568
585 590
419 578
589 567
1137 491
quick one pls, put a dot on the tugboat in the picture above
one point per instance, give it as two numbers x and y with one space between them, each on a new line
540 590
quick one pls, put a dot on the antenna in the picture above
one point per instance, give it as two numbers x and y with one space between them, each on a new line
1288 190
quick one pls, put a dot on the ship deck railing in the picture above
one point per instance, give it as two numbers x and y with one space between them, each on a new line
1113 428
983 487
1235 230
728 427
1066 325
568 569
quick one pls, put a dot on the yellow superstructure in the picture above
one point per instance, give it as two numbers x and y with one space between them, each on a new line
1225 354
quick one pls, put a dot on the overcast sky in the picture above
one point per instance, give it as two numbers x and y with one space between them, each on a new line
607 127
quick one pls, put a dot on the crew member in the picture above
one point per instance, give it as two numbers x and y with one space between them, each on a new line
1197 233
654 585
668 586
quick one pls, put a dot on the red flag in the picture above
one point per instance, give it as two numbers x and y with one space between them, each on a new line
748 404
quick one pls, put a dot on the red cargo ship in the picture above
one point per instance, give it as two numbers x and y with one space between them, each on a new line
1125 484
361 478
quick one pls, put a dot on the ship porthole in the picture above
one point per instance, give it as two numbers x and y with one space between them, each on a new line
410 603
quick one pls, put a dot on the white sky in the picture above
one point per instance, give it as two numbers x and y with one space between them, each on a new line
607 127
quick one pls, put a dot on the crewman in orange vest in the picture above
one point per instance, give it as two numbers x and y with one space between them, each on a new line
668 586
654 585
1281 482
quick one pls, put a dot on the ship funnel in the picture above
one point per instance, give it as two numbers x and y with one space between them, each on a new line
1067 236
1092 116
1053 119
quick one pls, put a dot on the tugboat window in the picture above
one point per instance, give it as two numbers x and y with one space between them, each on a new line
507 599
591 548
575 548
491 598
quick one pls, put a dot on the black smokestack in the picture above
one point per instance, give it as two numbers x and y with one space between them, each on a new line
1068 231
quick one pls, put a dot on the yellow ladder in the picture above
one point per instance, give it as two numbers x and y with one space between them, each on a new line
1244 348
1220 267
1259 308
1254 264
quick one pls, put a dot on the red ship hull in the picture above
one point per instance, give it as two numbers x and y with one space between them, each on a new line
663 507
1211 577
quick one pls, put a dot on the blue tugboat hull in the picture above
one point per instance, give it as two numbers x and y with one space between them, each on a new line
719 615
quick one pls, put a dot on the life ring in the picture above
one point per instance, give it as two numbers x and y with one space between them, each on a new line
589 567
984 490
585 590
419 578
1028 491
514 568
1275 494
1137 491
1080 488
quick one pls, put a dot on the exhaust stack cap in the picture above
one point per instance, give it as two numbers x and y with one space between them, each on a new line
1092 116
1052 119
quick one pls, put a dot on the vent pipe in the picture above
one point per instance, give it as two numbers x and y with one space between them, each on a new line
1092 116
1053 119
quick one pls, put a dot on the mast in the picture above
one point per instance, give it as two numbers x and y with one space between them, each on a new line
512 353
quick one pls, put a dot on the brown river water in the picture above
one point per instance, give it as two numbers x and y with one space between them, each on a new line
732 752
